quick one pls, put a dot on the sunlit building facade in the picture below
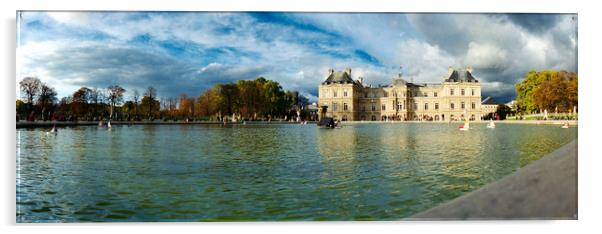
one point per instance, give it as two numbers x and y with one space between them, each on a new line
456 98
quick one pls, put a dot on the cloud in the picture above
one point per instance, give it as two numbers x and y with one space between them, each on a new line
189 52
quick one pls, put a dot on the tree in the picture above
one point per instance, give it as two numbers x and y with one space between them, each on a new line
136 98
30 87
502 111
557 92
207 102
46 99
21 108
150 95
115 97
228 96
80 101
186 107
127 107
547 90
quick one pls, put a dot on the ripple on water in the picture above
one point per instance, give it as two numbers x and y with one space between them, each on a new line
264 172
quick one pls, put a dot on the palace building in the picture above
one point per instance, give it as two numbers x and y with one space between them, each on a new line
456 98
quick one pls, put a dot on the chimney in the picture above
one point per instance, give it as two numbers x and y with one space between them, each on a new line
469 68
348 70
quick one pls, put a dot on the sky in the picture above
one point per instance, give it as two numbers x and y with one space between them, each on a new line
179 52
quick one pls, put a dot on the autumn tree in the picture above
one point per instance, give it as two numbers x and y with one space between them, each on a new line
186 108
554 93
547 90
115 97
207 102
79 102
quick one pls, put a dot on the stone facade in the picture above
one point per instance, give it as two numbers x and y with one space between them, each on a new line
456 98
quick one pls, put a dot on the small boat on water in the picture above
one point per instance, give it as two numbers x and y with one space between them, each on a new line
566 125
465 126
109 124
54 130
491 124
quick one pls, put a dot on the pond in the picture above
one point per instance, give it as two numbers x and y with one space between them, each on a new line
363 171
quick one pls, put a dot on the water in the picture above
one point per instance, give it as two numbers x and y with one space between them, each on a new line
264 172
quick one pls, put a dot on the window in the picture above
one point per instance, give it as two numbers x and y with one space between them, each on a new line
462 105
383 107
334 106
374 95
373 118
399 106
385 94
451 106
345 106
366 95
451 92
344 118
462 92
373 107
363 108
474 106
334 93
345 93
426 94
434 94
415 106
426 106
436 106
472 92
409 93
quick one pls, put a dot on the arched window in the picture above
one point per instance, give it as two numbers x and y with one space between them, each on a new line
374 118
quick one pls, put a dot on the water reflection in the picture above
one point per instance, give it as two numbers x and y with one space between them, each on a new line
263 172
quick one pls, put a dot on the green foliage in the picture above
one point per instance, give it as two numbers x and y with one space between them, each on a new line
21 108
548 89
249 98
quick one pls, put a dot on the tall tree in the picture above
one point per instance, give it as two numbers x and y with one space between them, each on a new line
150 95
30 87
208 103
80 101
115 97
46 99
136 98
228 94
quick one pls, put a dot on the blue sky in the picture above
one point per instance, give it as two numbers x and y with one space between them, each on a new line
189 52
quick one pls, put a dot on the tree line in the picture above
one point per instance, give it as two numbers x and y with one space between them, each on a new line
554 91
259 99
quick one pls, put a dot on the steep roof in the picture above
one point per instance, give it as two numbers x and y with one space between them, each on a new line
339 77
460 75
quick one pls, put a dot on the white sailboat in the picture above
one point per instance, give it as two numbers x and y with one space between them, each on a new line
491 124
466 125
566 125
